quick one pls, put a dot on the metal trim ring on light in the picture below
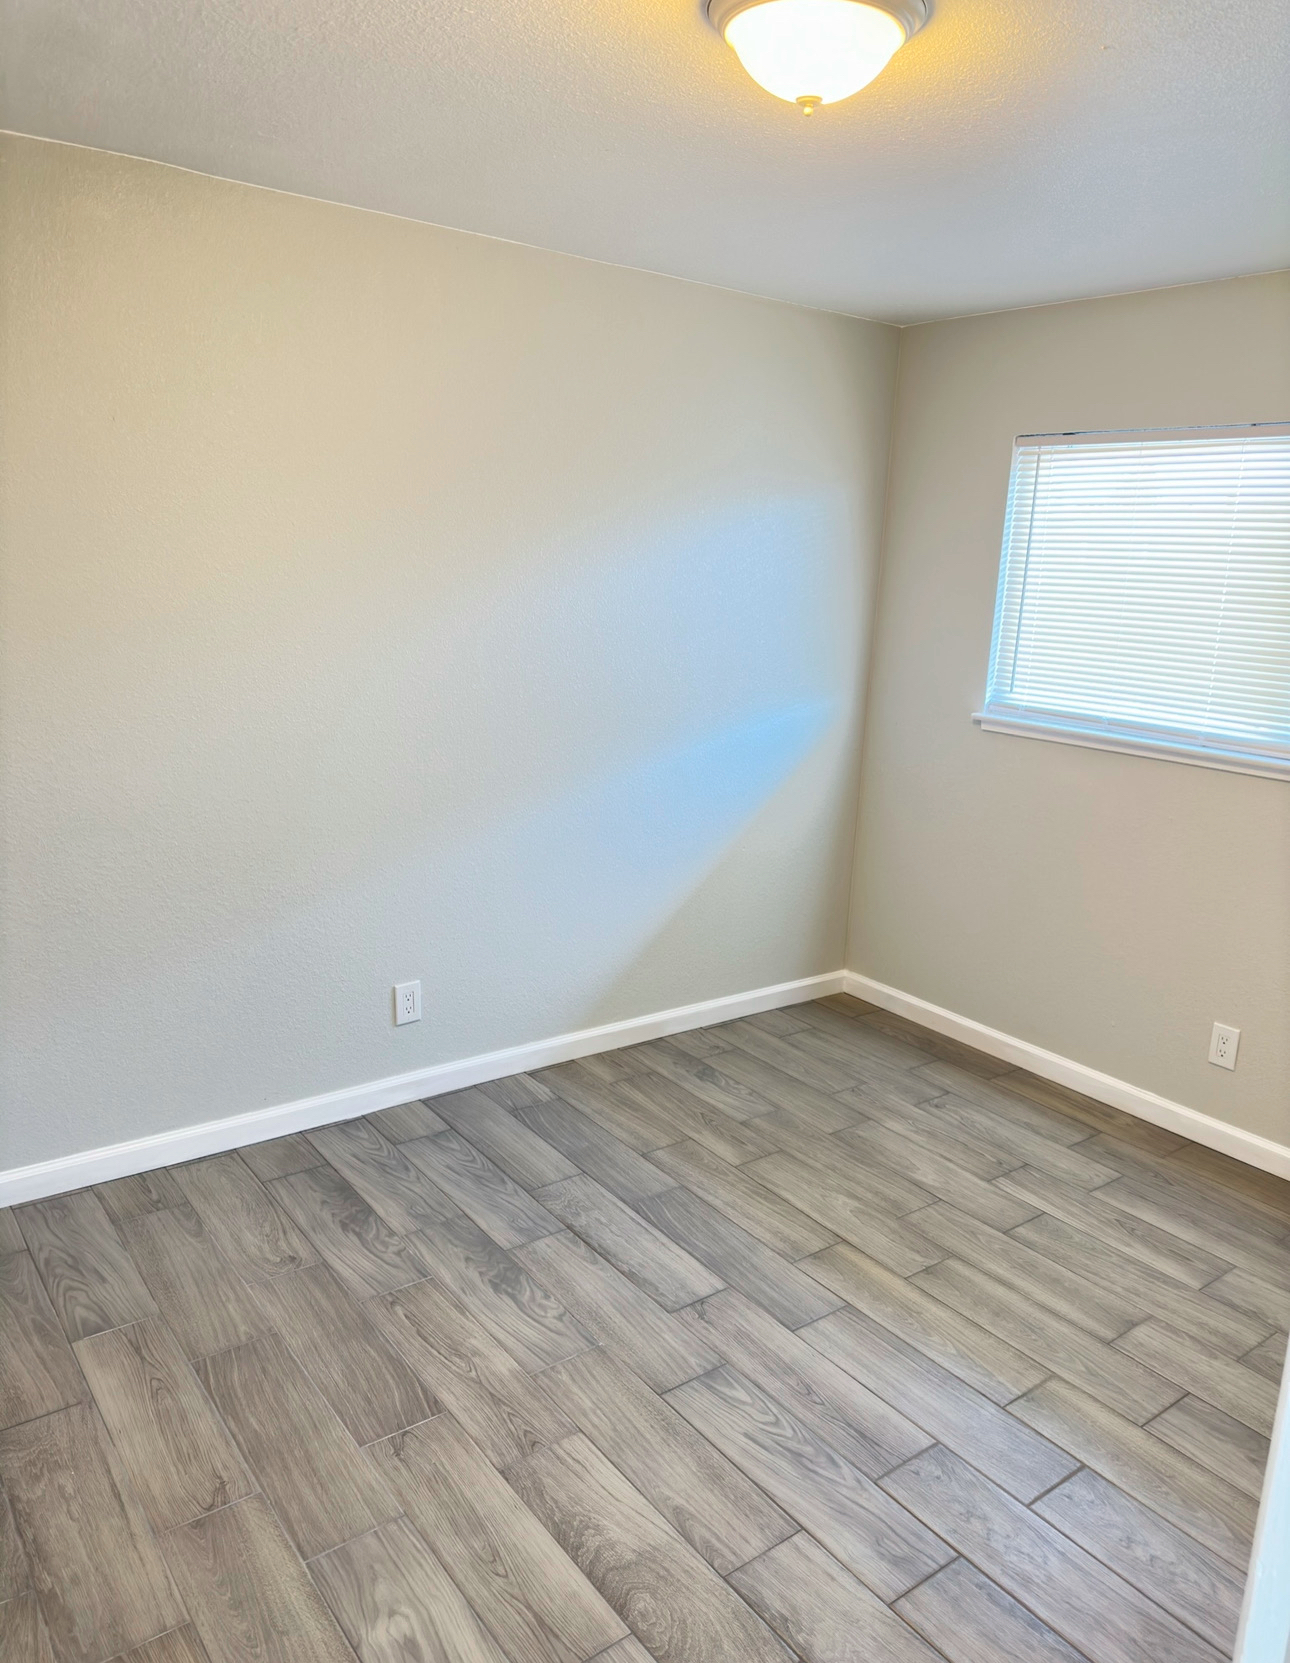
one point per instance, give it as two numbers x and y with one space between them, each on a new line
910 14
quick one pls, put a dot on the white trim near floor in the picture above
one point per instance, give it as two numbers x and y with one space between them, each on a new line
213 1137
1160 1111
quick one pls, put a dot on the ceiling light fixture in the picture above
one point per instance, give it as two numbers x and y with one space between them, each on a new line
813 52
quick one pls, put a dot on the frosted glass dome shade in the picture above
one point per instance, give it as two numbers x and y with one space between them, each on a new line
814 51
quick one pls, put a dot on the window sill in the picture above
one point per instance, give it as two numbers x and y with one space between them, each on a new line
1161 750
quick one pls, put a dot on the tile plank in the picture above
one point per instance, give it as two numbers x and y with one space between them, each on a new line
180 1645
1017 1144
519 1152
407 1120
806 1056
206 1305
850 1516
847 1210
948 1411
988 1364
937 1173
1269 1358
1251 1185
38 1372
396 1603
1204 1506
178 1457
95 1568
1216 1440
520 1314
670 1597
703 1496
91 1282
333 1338
781 1091
516 1091
1195 1313
383 1173
1100 1117
594 1151
858 1424
698 1042
869 1039
992 1093
939 1046
322 1486
833 1163
1065 1587
1101 1311
639 1127
755 1208
1205 1373
1209 1228
615 1312
359 1245
823 1612
736 1258
696 1120
249 1595
776 1020
144 1192
971 1620
518 1579
505 1411
618 1063
847 1004
482 1190
23 1635
253 1234
629 1650
1138 1239
15 1578
279 1157
704 1076
1268 1301
929 1126
1189 1581
656 1264
1058 1346
1195 1196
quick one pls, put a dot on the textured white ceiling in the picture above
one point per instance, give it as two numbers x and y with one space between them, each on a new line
1016 151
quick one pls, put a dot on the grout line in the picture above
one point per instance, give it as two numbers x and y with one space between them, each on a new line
1065 1479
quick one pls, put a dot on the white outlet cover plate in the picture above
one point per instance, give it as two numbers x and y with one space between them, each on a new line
1223 1044
407 1003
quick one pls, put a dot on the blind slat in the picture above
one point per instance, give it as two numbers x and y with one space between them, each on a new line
1144 587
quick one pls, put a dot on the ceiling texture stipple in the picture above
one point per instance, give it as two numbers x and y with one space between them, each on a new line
1014 152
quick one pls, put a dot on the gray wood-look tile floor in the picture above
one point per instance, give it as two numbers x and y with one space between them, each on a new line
811 1335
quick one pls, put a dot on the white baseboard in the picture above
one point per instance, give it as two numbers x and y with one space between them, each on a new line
188 1143
1160 1111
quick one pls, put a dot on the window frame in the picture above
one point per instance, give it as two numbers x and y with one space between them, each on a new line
1134 738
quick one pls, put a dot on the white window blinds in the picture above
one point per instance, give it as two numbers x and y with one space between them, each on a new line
1144 595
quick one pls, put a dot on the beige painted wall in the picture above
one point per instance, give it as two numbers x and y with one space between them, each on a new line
381 603
1106 907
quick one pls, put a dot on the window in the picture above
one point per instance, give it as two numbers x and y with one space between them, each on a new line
1144 595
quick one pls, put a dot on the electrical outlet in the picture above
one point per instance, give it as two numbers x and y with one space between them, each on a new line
1223 1042
407 1003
